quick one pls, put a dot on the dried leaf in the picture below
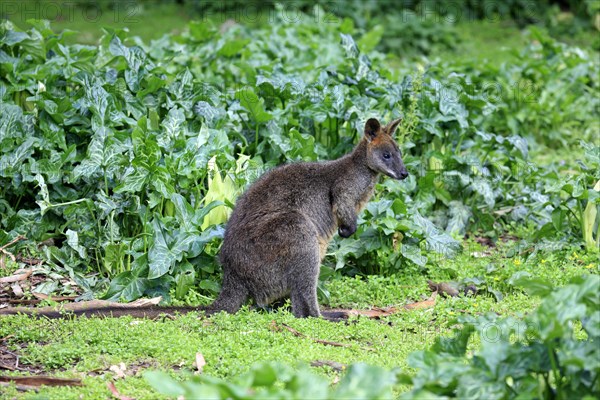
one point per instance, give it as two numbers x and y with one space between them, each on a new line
429 303
113 389
119 370
16 288
200 362
17 277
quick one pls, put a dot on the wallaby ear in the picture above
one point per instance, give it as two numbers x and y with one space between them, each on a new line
391 127
372 128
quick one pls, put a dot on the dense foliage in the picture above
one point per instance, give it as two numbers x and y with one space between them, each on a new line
277 381
123 160
552 353
119 164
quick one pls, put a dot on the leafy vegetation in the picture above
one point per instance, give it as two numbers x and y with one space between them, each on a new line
542 356
129 156
120 162
266 380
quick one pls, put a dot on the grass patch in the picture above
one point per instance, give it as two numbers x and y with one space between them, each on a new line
88 347
485 40
148 20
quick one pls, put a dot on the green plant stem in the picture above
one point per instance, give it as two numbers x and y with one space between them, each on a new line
581 219
16 206
67 203
256 139
577 219
556 373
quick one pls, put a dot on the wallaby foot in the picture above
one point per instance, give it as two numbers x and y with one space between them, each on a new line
233 295
303 306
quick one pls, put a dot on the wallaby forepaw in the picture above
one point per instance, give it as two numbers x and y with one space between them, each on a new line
346 231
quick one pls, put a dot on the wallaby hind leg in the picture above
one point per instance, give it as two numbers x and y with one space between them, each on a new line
303 286
233 295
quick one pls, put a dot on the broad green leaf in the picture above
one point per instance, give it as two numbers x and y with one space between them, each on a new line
232 47
184 280
347 247
202 30
436 240
253 104
455 345
73 242
591 219
13 37
459 218
371 39
367 382
126 286
160 256
533 285
349 45
173 123
164 383
483 187
413 253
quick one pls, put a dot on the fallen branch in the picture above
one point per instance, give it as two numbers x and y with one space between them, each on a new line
39 380
375 312
43 296
274 326
333 364
93 307
379 312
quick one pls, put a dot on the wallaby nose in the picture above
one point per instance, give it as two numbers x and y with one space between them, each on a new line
403 174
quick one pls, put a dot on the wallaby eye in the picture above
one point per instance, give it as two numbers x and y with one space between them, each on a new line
387 155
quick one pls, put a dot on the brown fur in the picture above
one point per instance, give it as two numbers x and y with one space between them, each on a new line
278 233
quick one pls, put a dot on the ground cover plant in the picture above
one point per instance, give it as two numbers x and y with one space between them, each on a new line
119 163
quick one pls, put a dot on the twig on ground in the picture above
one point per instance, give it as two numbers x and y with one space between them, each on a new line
3 248
275 326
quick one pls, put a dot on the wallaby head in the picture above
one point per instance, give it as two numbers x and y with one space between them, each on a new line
383 154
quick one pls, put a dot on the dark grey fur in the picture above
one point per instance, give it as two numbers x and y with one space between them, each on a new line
280 227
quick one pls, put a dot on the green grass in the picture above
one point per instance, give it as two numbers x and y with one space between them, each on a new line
86 348
494 41
148 20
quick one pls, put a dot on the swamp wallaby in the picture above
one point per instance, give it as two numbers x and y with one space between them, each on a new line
280 227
